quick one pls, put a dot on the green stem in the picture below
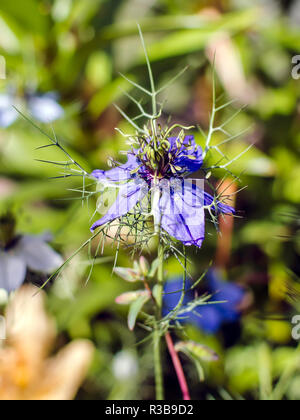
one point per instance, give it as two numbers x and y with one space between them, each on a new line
157 334
159 387
152 84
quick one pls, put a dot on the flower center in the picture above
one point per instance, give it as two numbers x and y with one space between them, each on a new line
163 158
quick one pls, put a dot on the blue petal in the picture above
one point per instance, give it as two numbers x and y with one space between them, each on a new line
191 160
172 294
182 212
8 114
118 174
12 271
208 318
231 293
45 108
129 195
223 208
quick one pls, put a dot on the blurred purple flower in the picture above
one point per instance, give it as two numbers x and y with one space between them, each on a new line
178 203
208 317
43 107
23 253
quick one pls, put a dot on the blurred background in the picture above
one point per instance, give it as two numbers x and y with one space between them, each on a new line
76 49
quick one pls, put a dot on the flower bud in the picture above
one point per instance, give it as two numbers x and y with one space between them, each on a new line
144 266
129 297
128 274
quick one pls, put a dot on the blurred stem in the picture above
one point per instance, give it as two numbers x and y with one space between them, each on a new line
265 372
284 382
178 368
237 20
157 334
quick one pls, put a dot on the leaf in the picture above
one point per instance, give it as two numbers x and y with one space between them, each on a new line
197 353
128 298
135 309
253 163
28 16
197 350
127 274
106 96
192 40
199 368
154 268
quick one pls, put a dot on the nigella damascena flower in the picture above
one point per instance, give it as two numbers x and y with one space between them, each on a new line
160 167
223 306
43 107
19 253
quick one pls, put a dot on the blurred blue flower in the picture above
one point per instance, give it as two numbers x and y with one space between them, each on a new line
209 317
23 253
8 114
43 107
160 167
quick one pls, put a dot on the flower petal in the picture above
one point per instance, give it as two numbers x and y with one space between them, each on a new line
182 212
45 108
8 114
29 327
129 195
230 293
118 174
223 208
66 371
12 271
190 155
207 317
38 255
173 292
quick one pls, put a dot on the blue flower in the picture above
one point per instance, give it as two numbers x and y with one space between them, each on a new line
18 253
161 169
208 317
8 114
43 108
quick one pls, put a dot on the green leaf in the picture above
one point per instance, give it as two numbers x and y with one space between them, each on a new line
127 274
199 368
154 268
254 162
197 350
106 96
188 41
128 298
135 309
28 16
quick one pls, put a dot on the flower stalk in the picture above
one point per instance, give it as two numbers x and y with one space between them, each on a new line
157 333
178 368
